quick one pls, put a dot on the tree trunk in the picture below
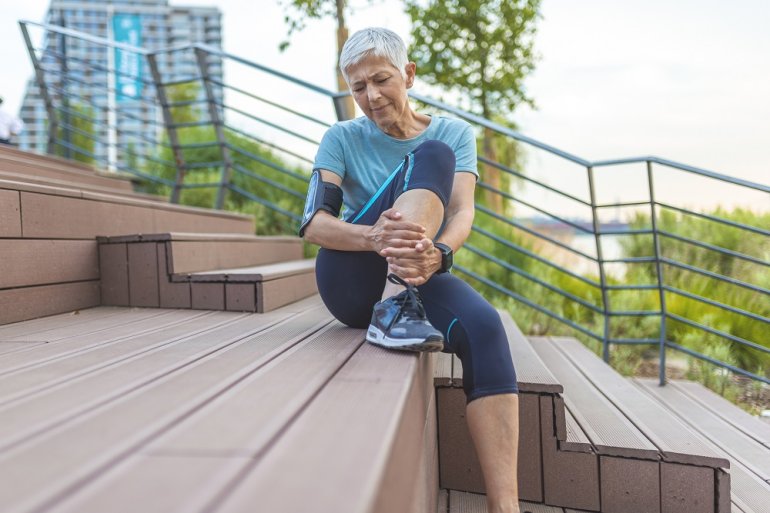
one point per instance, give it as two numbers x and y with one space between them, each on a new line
342 36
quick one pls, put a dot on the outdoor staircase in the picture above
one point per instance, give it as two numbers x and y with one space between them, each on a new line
193 376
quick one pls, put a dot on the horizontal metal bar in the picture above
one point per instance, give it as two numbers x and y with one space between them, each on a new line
196 146
682 167
718 363
268 144
534 279
628 204
307 85
633 313
728 336
715 219
522 299
86 37
77 149
717 304
711 247
642 231
630 260
207 185
265 100
576 226
267 181
204 165
186 103
264 202
189 124
273 125
180 81
631 287
526 178
716 276
634 341
467 116
521 227
268 163
533 255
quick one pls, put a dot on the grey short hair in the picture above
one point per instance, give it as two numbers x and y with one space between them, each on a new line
373 41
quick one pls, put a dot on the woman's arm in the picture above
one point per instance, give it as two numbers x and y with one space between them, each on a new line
332 233
417 265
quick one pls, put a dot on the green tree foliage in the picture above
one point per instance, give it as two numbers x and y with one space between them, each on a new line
77 133
297 14
483 50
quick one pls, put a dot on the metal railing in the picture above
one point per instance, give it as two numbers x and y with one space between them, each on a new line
250 146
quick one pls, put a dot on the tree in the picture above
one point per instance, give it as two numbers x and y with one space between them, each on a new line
482 49
317 9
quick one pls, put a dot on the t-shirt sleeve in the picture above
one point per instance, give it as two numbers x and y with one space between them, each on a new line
331 155
465 152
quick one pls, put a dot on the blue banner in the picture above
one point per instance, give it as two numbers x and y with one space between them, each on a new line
127 29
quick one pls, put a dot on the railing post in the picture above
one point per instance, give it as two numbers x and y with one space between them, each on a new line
224 180
600 258
170 129
659 274
52 123
341 107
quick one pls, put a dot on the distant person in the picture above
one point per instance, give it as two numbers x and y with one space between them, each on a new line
9 125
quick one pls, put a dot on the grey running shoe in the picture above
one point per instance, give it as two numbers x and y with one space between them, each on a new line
399 322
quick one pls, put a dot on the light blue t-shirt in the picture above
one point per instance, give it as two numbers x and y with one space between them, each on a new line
364 156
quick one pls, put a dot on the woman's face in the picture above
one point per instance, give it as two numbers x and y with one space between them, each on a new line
380 91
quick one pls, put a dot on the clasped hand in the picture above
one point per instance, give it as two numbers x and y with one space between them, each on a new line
410 254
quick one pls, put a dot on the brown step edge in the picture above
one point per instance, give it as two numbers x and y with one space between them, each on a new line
11 152
460 469
692 477
71 213
33 170
144 270
60 181
454 501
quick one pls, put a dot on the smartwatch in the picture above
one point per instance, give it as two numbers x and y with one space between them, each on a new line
446 257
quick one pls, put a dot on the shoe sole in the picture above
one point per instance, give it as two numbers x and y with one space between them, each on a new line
429 345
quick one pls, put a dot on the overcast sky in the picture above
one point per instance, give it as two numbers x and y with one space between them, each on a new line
687 80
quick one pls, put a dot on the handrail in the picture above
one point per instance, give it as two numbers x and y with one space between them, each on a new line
503 253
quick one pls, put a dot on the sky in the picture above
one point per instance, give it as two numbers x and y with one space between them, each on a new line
687 80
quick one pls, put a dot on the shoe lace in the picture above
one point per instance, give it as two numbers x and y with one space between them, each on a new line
409 301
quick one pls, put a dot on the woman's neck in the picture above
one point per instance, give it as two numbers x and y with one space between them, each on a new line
411 126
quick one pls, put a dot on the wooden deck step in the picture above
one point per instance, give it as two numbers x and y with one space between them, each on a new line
204 271
716 420
692 476
66 181
286 411
10 151
453 501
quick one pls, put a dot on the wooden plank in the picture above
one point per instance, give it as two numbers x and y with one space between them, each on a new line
113 267
207 296
443 373
530 464
443 501
458 462
277 293
189 256
240 297
64 182
133 324
570 479
531 372
143 274
6 348
171 295
30 327
31 302
576 439
42 262
369 390
86 446
675 441
60 175
721 407
464 502
629 485
686 488
610 432
265 272
739 446
10 214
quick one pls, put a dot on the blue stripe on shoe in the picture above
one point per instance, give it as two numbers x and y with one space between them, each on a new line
379 192
410 156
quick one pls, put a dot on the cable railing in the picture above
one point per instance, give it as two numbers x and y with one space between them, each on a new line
672 277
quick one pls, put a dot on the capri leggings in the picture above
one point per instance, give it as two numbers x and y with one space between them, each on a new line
351 282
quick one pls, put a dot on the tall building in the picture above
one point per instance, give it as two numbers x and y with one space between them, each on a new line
77 77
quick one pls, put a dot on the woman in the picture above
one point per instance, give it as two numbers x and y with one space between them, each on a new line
407 182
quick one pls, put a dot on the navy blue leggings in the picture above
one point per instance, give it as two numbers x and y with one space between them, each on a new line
351 282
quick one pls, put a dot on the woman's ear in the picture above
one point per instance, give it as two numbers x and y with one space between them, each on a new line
411 71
